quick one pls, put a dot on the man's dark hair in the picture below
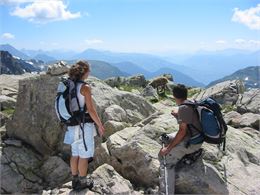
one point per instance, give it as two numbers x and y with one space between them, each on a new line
180 91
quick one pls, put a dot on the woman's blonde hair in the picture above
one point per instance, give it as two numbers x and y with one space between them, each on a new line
77 70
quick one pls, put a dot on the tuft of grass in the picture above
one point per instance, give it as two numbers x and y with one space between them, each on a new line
129 88
9 111
193 91
228 108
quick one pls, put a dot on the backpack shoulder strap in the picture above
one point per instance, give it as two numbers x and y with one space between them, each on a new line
193 104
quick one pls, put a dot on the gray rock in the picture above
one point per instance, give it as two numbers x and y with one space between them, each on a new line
35 121
136 156
232 117
7 102
112 127
226 92
59 68
108 181
43 132
9 92
150 93
2 132
20 170
115 113
3 119
55 171
115 81
250 120
212 181
12 81
13 182
133 153
249 102
13 142
246 120
25 161
136 107
136 81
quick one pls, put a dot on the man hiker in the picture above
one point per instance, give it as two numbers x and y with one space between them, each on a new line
178 145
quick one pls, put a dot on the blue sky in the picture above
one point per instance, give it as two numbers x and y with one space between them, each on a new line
131 25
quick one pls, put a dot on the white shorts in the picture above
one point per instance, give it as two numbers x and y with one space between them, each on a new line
74 136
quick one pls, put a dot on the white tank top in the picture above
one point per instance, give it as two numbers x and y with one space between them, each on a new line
80 96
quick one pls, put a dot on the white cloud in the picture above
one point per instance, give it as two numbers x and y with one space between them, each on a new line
44 11
8 36
240 41
93 41
254 42
221 42
249 17
14 2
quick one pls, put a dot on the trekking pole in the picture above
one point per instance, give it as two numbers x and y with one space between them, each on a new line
165 174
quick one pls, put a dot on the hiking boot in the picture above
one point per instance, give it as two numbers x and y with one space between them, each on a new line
84 183
75 182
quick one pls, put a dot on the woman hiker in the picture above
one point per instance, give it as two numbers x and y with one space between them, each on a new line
82 152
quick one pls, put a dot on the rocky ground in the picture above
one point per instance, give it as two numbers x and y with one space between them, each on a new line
34 159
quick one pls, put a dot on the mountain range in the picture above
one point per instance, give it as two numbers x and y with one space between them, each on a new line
14 65
197 69
250 76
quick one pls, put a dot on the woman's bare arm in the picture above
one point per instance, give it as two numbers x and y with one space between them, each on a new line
86 91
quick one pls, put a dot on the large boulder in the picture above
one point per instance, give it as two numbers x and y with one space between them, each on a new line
135 106
115 81
12 81
226 92
237 120
57 69
35 121
113 126
108 181
14 182
20 170
136 156
55 171
136 81
40 127
115 113
150 93
249 102
133 153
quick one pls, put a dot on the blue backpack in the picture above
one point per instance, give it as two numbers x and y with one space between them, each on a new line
213 125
